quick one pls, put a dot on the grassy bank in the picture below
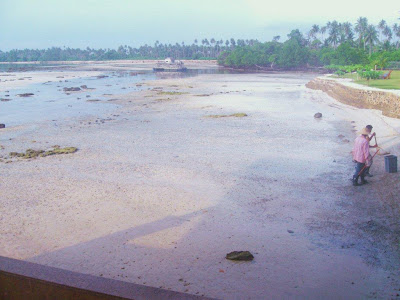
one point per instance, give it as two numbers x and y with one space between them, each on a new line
393 83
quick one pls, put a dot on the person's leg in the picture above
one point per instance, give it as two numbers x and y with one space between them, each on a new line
362 176
367 173
359 167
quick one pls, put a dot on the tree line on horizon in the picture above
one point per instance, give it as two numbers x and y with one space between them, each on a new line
204 49
332 44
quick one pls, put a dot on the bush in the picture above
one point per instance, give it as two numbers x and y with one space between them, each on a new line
340 73
370 74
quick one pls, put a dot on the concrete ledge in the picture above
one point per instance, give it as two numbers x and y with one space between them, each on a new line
361 97
25 280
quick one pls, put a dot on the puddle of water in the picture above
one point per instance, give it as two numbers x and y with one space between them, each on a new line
50 102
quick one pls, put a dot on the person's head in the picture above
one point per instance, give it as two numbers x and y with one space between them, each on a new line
365 131
369 128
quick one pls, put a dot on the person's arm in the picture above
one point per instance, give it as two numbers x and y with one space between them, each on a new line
370 138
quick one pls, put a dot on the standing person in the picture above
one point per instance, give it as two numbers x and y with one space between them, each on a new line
361 156
369 130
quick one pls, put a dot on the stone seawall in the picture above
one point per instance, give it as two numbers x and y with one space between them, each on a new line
387 102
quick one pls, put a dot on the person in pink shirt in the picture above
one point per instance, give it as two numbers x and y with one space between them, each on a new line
361 156
370 137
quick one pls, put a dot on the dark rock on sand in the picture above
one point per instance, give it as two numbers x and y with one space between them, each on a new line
26 95
101 76
5 99
84 86
240 255
318 115
71 89
2 125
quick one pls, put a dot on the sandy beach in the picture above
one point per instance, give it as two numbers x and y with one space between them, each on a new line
167 180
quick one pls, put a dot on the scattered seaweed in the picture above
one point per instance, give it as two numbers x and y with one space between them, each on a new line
171 93
30 153
236 115
203 95
71 89
25 95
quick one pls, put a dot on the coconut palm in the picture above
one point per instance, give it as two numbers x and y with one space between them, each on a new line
381 25
387 32
371 37
347 31
313 32
361 28
396 32
334 33
323 30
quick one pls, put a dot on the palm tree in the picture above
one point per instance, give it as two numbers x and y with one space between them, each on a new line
347 31
227 43
334 32
212 41
381 26
233 43
371 36
396 31
387 32
361 28
323 30
314 31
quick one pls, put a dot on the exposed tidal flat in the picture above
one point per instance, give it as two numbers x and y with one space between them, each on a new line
174 172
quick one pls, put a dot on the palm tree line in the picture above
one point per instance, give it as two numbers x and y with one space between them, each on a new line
199 49
362 34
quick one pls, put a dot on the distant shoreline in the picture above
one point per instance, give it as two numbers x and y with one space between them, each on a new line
136 61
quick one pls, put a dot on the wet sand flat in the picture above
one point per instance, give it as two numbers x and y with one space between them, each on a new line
161 189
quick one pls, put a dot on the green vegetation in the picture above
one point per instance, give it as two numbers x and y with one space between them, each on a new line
335 44
30 153
392 83
331 44
202 50
237 115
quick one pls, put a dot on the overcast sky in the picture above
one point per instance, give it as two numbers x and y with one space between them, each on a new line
110 23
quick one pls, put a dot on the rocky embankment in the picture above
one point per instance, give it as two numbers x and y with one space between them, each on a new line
387 102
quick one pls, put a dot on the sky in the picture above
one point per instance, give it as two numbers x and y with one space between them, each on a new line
110 23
